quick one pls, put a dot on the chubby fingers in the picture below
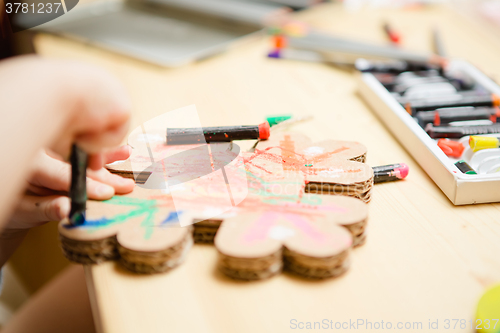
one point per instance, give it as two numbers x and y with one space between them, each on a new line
97 161
119 154
97 109
96 141
34 210
55 175
119 184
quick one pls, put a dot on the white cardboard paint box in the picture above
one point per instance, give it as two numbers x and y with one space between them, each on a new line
460 188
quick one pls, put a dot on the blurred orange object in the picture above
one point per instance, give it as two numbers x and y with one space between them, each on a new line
451 148
279 41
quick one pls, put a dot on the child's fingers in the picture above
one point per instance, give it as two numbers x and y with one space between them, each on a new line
51 173
100 119
56 175
96 142
99 191
97 161
42 191
121 185
120 154
35 210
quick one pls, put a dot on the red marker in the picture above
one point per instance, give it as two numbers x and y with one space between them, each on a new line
393 35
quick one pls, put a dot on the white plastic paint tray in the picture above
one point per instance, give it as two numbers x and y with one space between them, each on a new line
460 188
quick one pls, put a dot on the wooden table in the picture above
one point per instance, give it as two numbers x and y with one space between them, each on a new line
424 259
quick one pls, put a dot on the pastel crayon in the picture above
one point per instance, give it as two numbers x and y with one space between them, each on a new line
477 143
178 136
391 34
455 132
475 101
449 115
390 172
394 67
465 168
78 189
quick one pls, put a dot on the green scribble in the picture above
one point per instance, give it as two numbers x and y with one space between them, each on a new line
142 207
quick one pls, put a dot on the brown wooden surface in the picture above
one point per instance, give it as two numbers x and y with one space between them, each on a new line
424 258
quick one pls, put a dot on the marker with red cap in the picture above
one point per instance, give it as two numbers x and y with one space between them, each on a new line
389 173
393 35
179 136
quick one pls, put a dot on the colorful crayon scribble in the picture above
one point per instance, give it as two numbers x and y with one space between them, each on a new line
263 195
293 161
141 207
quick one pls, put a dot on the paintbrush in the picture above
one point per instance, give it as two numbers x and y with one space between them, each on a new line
78 190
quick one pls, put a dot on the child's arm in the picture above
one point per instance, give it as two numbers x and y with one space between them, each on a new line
49 104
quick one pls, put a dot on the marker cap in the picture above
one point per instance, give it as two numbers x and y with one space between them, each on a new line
494 117
408 108
279 42
496 99
274 120
275 53
402 171
264 131
437 119
451 148
483 142
395 38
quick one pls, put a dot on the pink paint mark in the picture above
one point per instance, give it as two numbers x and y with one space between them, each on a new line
331 208
260 229
306 227
322 157
291 160
261 168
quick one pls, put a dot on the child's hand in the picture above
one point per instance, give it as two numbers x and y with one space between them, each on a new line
46 196
53 104
61 103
